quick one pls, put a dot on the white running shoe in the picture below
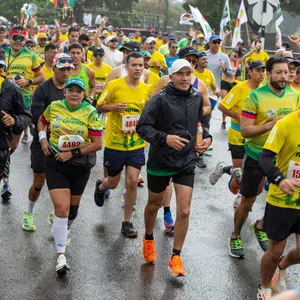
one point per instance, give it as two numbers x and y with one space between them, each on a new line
264 294
279 280
61 264
217 173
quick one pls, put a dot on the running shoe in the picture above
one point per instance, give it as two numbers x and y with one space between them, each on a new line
123 195
5 191
236 247
200 162
24 139
148 251
261 236
235 180
107 194
98 195
51 218
279 280
61 264
223 125
141 181
176 267
68 240
169 222
128 230
28 221
217 173
237 200
264 294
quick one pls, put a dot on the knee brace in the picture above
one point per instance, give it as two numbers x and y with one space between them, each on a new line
73 212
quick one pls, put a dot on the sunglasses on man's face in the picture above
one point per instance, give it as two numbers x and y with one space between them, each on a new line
114 41
18 38
84 45
2 66
216 42
96 55
30 45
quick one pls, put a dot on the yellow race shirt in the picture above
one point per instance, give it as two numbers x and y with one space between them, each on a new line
63 37
62 120
47 72
1 82
207 77
262 56
101 75
284 140
235 101
160 59
138 39
25 64
120 127
263 105
158 43
152 81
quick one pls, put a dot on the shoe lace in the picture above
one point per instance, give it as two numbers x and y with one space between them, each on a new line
149 246
238 244
29 219
282 274
261 235
177 262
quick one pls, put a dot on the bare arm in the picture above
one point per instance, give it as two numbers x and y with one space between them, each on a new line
57 32
206 104
295 40
92 81
249 129
98 42
162 82
229 113
39 77
227 32
119 107
243 58
114 74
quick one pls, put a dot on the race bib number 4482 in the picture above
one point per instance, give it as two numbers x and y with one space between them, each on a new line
69 142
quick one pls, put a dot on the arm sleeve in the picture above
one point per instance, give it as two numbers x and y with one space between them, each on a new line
20 112
228 72
94 125
39 104
146 125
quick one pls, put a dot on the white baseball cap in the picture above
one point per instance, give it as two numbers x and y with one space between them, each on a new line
178 65
150 39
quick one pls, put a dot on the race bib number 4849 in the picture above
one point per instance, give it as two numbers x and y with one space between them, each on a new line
129 123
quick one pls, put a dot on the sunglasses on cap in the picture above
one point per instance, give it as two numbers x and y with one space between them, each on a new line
18 38
65 60
113 41
99 54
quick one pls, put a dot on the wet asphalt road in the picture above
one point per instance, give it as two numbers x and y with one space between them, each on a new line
105 265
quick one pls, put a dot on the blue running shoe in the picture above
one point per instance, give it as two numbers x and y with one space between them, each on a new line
169 222
107 194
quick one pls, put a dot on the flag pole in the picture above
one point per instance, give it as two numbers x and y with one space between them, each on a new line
248 35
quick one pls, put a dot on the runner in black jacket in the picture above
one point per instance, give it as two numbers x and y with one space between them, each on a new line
169 123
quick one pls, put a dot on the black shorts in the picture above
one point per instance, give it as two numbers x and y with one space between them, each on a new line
115 160
281 222
251 178
227 86
65 176
237 151
157 184
37 158
205 120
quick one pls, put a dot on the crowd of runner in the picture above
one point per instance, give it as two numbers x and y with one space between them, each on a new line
66 85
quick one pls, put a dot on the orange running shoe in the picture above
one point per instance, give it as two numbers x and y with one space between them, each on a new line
148 251
176 266
235 180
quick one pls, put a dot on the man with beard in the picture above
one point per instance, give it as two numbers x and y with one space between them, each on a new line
45 93
263 108
157 61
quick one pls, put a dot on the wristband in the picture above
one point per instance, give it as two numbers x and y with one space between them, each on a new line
42 135
76 152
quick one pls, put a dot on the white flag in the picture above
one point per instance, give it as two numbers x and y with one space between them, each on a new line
279 20
225 18
198 17
186 19
241 19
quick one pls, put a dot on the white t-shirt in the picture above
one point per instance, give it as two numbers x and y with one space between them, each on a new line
112 57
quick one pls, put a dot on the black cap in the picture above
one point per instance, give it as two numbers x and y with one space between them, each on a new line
293 61
166 34
256 64
196 42
131 46
186 51
98 49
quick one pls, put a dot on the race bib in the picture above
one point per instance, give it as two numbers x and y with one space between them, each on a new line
129 123
99 87
294 170
69 142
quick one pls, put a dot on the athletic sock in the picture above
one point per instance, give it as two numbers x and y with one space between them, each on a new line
227 170
70 222
30 208
166 209
176 252
149 236
60 232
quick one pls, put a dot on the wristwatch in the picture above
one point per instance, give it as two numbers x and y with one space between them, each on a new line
30 82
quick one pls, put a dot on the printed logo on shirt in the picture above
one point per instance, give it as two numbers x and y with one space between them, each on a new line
57 118
271 113
55 126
